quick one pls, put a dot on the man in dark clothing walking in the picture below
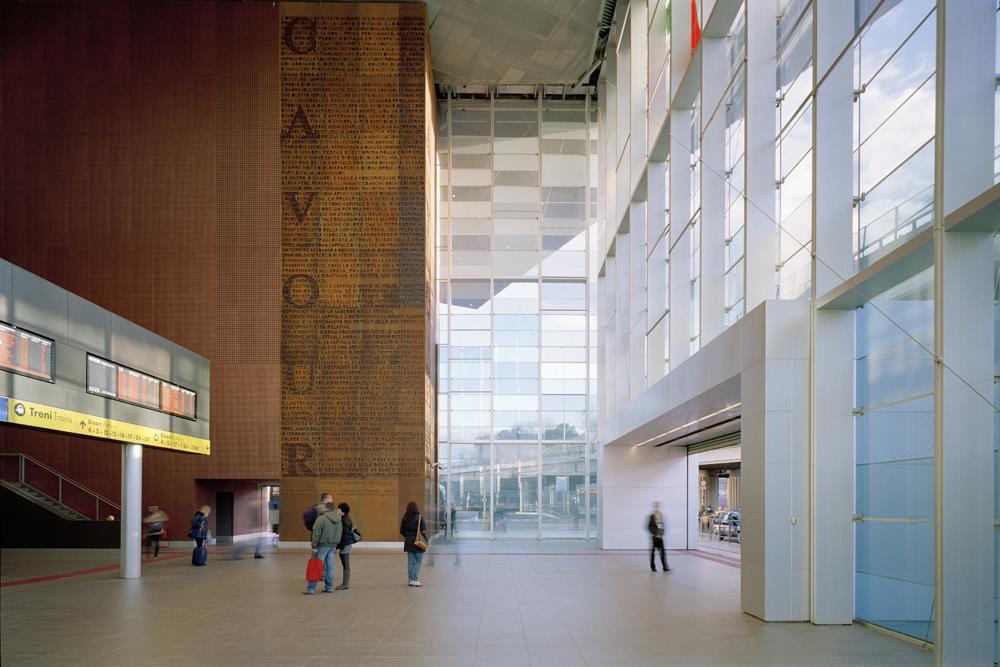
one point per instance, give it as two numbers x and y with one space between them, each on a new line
657 527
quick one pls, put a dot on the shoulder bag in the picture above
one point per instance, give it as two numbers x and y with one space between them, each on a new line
419 540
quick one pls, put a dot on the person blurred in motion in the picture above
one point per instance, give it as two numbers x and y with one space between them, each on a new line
199 526
657 528
155 522
411 527
243 545
346 542
310 515
326 534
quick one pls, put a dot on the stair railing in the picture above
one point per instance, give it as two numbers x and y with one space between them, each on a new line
24 469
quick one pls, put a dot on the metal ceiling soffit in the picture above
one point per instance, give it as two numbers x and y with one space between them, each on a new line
600 44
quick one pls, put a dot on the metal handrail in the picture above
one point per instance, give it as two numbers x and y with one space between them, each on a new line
62 478
909 225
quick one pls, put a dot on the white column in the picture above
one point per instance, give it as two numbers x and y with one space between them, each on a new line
680 214
964 337
967 459
715 73
761 251
832 452
833 156
774 469
131 537
832 469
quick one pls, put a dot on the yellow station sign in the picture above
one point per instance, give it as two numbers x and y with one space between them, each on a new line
68 421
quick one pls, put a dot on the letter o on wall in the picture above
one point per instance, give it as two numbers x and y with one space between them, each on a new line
300 290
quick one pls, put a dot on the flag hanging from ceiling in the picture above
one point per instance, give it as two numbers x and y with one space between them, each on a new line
695 26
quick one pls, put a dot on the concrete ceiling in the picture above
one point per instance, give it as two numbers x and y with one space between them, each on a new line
512 41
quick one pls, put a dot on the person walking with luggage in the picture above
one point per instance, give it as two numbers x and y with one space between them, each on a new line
414 531
155 522
657 528
326 534
198 533
346 542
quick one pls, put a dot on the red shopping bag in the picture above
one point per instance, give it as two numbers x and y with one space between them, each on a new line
314 569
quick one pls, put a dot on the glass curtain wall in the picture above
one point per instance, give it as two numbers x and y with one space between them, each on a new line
793 148
996 105
694 230
894 455
517 452
735 137
895 56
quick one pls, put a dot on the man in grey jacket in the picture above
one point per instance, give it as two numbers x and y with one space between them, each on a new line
326 535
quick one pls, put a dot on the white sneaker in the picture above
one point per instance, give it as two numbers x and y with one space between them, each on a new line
411 582
416 584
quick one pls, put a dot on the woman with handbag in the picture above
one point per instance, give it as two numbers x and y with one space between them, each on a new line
346 542
414 532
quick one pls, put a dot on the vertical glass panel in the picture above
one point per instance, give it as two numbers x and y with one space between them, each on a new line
469 488
516 488
900 205
518 198
894 455
563 489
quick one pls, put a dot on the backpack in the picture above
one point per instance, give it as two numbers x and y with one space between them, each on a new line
309 516
356 535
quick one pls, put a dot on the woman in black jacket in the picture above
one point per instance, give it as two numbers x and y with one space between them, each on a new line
346 542
411 525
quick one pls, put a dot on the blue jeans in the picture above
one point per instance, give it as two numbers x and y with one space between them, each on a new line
413 562
327 555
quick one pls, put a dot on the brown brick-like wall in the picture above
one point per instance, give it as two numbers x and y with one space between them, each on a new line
139 170
358 398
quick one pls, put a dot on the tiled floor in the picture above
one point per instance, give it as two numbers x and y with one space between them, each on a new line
712 543
509 603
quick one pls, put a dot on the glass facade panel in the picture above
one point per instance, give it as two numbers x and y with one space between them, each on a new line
515 326
894 102
894 455
563 490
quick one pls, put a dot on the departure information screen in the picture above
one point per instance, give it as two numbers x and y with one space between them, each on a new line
106 378
25 353
178 400
138 388
101 377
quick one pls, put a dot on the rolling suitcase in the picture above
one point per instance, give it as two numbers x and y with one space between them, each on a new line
199 556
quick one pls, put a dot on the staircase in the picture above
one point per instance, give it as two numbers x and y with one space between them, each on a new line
51 490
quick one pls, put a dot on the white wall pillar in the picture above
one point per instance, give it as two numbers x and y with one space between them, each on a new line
637 298
631 479
775 469
833 469
967 464
131 526
761 250
964 330
680 214
833 125
715 76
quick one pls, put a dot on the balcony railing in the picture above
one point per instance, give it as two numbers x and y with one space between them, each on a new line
23 469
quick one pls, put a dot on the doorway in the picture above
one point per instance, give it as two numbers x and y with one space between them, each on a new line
720 516
224 517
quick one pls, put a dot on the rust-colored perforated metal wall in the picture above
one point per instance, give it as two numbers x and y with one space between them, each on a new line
140 171
357 334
